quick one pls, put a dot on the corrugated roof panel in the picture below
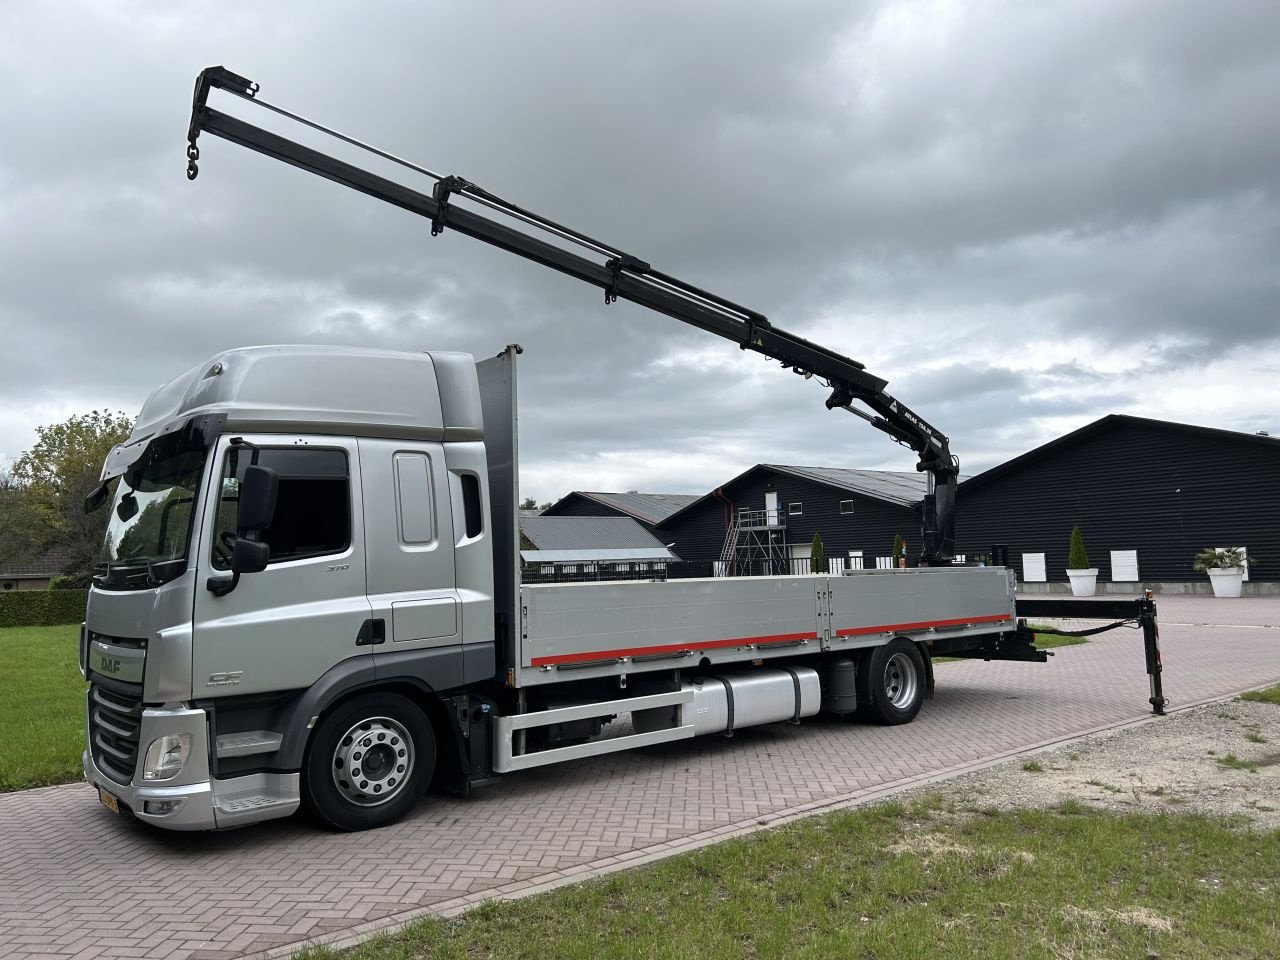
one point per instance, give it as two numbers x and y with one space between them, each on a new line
630 555
586 533
648 507
904 489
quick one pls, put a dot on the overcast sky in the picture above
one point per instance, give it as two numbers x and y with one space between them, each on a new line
1024 216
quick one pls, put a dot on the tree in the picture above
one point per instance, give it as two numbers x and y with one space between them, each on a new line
899 548
528 503
1077 558
18 528
57 473
818 559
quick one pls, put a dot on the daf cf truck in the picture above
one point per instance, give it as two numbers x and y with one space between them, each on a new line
310 591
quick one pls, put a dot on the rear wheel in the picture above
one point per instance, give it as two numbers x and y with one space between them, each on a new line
368 762
896 682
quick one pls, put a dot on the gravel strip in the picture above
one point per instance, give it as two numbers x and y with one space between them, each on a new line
1221 760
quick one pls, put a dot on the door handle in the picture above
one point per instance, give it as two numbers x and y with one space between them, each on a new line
372 632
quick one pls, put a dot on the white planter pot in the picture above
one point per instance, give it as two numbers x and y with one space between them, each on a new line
1226 582
1084 583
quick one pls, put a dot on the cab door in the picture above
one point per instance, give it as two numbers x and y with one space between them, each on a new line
284 627
409 539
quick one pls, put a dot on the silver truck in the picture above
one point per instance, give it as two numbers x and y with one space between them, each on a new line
310 594
310 584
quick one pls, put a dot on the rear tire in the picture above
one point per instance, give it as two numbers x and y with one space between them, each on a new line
896 678
368 762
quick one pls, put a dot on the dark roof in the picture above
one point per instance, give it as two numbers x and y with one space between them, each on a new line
645 507
586 533
1109 422
50 564
898 487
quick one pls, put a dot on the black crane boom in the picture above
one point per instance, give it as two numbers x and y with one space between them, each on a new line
620 275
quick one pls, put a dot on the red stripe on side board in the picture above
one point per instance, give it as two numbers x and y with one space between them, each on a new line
669 648
923 624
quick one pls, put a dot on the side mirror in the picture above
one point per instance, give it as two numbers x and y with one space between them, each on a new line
257 499
249 556
97 497
254 514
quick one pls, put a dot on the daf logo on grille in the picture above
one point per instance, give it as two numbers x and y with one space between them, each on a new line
108 664
228 679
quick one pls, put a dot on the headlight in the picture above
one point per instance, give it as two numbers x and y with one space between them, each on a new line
166 755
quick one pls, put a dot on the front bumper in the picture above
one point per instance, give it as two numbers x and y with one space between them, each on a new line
187 797
192 800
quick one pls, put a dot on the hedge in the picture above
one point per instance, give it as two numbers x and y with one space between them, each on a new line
42 608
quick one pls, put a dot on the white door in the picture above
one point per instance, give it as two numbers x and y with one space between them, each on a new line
771 507
801 559
282 628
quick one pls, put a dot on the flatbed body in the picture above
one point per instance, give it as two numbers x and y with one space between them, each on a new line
611 629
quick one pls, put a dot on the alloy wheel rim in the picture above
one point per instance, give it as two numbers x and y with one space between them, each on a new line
900 680
373 761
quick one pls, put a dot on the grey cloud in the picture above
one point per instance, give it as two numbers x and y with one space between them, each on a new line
918 181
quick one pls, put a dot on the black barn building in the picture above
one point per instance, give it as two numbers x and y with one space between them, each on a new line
1164 490
857 512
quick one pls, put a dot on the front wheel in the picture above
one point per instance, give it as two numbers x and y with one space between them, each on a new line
896 683
368 762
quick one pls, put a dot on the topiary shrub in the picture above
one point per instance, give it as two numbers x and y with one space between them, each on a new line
818 559
899 548
42 608
1077 558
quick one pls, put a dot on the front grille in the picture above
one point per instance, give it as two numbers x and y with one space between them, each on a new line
115 716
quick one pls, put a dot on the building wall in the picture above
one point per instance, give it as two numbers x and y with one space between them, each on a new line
24 583
699 533
1164 492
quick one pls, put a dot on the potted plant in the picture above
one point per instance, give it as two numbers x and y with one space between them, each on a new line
1225 568
899 551
1084 578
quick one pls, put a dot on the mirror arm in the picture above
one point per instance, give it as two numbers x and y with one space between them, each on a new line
220 587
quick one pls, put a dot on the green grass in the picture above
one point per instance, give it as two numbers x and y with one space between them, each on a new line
1044 641
41 707
1269 695
894 882
1232 762
1033 766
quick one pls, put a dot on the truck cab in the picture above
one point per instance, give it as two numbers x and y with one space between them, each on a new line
207 675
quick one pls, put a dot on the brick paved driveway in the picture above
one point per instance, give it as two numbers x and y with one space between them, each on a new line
74 881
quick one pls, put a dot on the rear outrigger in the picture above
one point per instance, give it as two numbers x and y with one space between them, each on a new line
310 592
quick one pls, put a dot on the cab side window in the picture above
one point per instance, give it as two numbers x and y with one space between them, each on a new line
313 507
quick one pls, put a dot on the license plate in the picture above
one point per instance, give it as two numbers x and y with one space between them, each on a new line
108 801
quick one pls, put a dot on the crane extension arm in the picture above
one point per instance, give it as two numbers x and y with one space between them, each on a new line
620 276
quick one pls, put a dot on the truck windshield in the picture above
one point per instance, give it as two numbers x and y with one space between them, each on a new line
149 528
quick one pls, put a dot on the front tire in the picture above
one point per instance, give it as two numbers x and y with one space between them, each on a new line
896 679
368 762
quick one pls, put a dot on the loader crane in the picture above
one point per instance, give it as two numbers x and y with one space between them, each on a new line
620 276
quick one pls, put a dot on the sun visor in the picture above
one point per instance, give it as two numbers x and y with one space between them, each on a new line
201 431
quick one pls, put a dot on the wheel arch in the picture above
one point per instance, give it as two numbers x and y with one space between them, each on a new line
351 679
